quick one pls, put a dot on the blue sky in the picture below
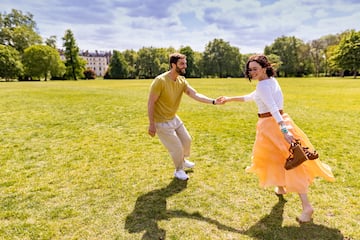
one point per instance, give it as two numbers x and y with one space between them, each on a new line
250 25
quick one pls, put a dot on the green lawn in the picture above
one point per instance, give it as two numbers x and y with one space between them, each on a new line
77 163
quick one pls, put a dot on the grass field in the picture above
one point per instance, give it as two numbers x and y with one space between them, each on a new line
77 163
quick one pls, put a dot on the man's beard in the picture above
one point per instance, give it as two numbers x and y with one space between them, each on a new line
180 72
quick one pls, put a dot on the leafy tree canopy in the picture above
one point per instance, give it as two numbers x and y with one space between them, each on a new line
18 30
42 62
346 54
75 65
10 63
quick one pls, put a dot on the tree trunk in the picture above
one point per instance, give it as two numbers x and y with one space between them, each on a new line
73 72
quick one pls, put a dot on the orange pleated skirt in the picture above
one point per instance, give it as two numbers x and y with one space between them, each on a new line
270 152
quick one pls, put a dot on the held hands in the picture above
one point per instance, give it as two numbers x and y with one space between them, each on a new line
221 100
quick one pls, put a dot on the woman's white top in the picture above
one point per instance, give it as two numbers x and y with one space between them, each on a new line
268 97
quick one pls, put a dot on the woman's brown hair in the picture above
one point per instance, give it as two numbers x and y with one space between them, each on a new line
263 62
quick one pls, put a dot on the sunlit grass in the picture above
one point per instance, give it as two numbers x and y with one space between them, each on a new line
77 163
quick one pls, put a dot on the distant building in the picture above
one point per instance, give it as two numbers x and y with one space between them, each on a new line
97 61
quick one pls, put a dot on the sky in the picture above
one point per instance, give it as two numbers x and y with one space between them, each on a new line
250 25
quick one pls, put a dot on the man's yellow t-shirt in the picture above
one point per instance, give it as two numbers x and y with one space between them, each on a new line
170 93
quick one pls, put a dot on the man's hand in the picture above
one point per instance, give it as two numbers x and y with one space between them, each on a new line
152 130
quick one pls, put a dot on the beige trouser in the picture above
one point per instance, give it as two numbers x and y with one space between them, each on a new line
176 139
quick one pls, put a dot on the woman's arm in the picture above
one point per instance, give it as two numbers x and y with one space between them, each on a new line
243 98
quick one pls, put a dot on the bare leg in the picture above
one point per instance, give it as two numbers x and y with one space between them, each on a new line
279 190
307 209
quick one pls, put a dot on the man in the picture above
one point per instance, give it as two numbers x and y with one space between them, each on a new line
164 99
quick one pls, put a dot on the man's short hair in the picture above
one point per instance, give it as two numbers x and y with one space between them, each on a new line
174 58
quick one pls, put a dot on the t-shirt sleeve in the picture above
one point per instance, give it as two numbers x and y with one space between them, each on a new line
185 85
156 87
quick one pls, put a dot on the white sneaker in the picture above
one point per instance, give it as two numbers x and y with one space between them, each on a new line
188 164
180 174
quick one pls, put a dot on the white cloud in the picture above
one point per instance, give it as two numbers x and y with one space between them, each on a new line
132 24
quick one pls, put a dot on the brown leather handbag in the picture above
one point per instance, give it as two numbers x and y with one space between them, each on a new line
298 155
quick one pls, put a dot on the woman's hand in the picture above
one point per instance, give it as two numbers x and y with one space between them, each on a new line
221 100
289 137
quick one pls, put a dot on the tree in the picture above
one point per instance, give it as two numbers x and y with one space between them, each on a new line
162 59
10 63
131 59
317 54
89 74
75 65
347 53
153 61
275 61
330 67
320 52
305 64
330 41
190 59
221 59
290 50
146 63
118 68
18 30
42 62
51 41
197 70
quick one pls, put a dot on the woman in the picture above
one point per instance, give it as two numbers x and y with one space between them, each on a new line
275 132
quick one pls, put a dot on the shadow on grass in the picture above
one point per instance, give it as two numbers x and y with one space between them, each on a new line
151 208
270 227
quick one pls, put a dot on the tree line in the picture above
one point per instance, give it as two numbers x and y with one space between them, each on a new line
23 54
331 55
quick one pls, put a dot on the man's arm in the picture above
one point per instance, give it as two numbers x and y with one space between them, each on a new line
151 106
191 92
